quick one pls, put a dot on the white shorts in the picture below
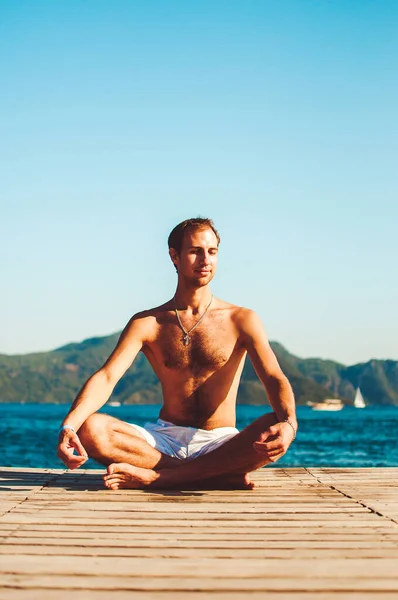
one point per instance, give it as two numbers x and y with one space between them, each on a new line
185 443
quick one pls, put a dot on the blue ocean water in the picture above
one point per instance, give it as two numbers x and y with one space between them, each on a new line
347 438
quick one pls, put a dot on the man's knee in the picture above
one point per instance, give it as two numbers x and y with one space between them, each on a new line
95 429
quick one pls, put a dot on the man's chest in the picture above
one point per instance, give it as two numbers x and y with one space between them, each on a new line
206 348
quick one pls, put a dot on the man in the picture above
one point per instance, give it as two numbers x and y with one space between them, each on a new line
197 346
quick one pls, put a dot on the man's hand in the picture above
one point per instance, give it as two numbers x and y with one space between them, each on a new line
275 442
68 441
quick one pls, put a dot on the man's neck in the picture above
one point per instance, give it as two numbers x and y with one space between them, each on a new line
194 300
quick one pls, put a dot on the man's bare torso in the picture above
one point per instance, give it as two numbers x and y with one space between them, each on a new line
199 381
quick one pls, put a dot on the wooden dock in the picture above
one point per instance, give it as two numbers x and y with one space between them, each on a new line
302 533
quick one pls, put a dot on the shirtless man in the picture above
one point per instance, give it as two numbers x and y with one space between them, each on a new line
197 346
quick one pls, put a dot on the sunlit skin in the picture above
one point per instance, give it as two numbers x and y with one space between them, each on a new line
199 385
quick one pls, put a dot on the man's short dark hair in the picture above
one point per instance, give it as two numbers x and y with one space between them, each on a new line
176 237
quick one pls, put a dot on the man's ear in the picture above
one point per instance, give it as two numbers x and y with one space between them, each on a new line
174 256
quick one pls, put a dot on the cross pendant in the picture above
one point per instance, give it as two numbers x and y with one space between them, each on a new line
186 340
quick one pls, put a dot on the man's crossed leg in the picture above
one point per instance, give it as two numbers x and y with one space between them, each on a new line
133 463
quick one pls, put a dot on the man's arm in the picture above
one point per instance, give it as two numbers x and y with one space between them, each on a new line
275 442
97 390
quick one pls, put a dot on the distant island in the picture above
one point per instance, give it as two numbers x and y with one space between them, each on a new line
56 377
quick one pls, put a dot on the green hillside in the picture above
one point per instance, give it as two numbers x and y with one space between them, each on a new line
57 376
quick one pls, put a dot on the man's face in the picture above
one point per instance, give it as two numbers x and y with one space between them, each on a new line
197 261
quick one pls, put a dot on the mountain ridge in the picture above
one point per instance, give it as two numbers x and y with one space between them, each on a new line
57 375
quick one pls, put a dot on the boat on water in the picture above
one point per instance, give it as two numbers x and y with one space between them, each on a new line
328 404
114 403
359 402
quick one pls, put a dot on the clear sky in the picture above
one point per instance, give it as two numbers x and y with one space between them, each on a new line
277 119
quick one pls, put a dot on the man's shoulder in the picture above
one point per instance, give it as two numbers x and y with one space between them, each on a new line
149 319
142 325
238 312
242 316
246 317
152 313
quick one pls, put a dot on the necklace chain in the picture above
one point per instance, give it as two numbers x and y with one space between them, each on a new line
186 338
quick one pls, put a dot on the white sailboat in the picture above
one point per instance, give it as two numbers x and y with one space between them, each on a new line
359 402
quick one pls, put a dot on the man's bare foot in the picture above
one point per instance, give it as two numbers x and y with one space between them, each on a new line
123 475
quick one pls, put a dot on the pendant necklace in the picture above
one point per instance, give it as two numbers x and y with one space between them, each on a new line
186 339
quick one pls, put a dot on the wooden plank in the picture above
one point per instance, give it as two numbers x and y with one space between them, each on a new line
62 594
263 518
347 568
204 584
387 529
207 508
176 541
155 553
202 534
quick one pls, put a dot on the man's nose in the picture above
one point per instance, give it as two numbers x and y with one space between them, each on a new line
205 259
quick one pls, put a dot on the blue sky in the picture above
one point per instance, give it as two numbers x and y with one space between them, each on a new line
276 119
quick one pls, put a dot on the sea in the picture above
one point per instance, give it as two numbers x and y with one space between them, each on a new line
348 438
